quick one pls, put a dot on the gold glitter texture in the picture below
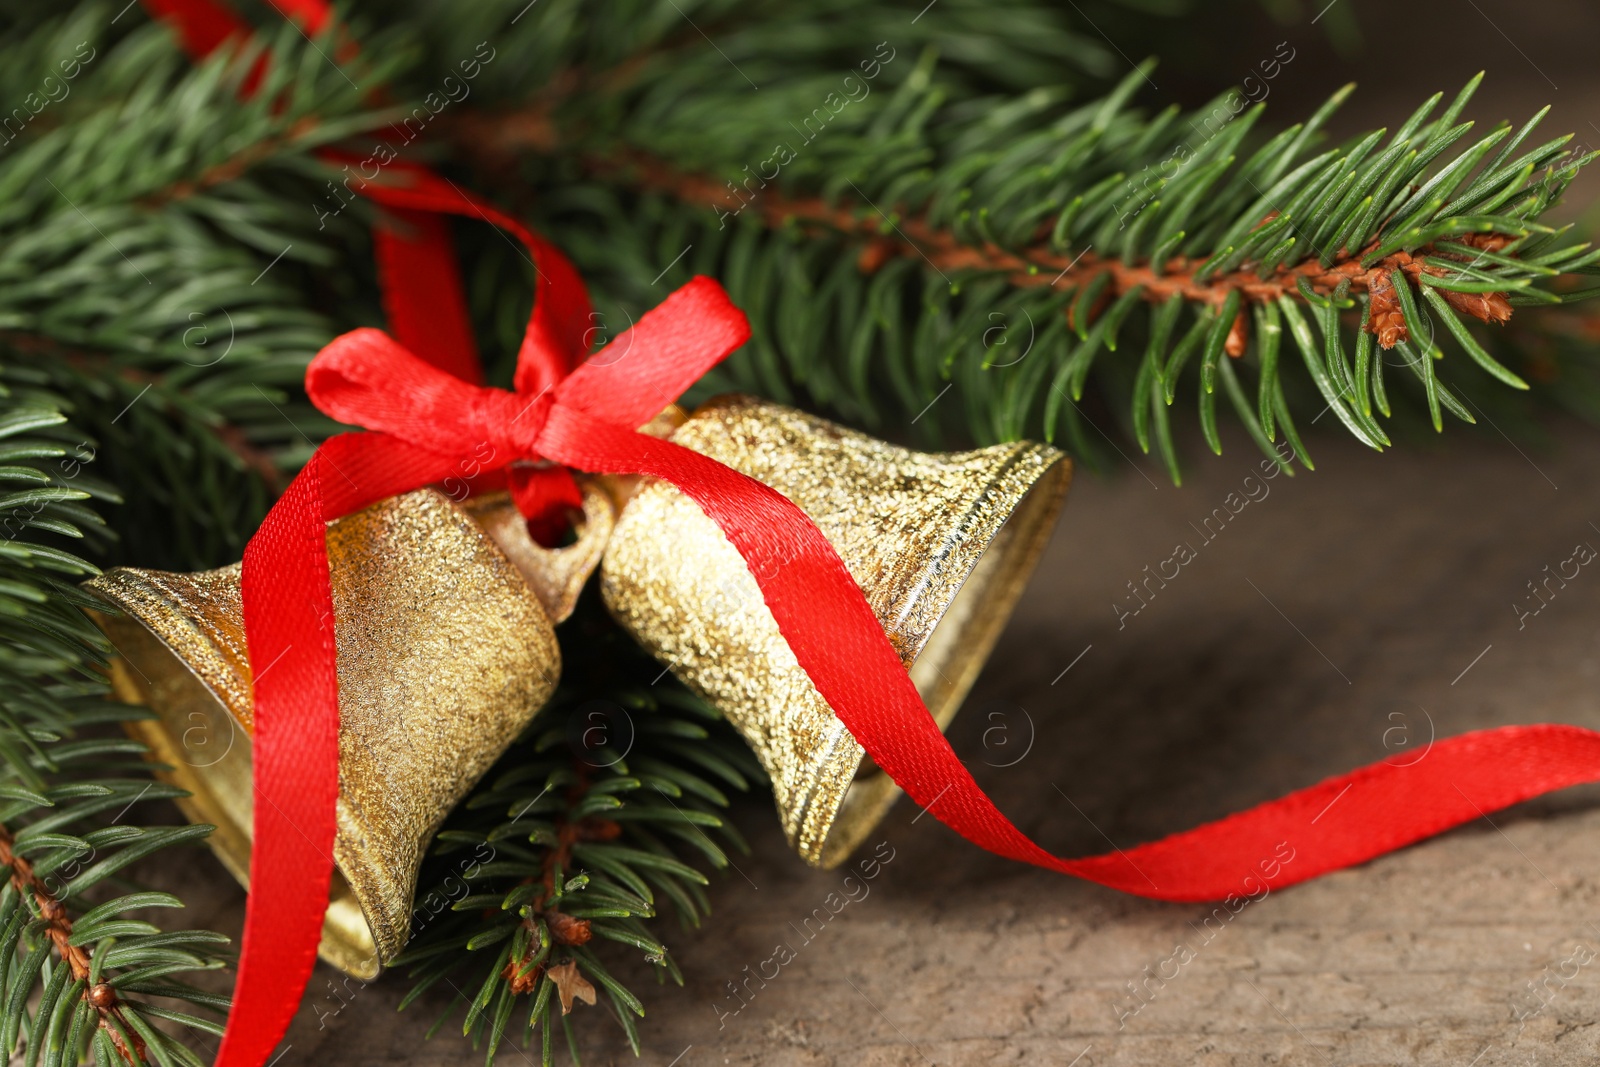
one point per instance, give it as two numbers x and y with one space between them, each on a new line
444 654
940 544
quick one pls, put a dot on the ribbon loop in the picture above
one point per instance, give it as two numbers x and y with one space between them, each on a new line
655 361
368 379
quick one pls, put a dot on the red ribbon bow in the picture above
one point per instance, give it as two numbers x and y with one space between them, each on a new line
368 379
428 416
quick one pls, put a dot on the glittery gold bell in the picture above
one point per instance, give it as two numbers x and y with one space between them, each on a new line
446 648
940 544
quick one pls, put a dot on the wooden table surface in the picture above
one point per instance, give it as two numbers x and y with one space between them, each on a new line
1339 618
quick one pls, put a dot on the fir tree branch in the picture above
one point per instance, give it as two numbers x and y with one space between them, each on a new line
912 236
946 217
58 928
167 292
78 971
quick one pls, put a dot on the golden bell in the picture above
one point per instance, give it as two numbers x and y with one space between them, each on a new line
940 544
446 648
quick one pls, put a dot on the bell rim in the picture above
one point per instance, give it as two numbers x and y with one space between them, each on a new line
862 805
348 939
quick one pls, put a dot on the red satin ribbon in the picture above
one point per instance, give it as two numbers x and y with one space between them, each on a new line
427 424
420 397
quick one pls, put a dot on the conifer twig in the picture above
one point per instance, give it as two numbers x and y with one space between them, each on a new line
58 928
910 235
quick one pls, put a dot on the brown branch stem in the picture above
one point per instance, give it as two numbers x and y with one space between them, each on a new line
564 929
58 928
1039 266
234 166
498 139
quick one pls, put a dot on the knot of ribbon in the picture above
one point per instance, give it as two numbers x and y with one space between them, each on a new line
366 378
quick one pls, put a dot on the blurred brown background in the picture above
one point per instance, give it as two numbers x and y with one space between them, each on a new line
1346 617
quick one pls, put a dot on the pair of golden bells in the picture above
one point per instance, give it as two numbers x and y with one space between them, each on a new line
446 642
